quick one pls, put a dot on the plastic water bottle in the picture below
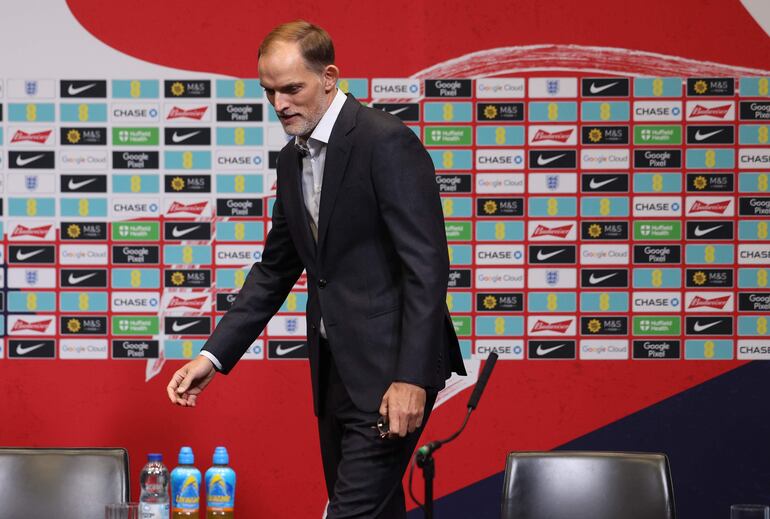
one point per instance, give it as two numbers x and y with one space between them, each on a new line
185 487
220 487
153 501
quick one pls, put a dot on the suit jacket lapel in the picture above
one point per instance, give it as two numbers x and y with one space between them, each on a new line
337 154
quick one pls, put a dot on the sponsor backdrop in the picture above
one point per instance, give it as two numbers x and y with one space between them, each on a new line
605 178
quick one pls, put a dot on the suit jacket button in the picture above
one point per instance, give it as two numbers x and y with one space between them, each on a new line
321 283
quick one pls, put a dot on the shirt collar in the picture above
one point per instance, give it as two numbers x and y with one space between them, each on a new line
323 130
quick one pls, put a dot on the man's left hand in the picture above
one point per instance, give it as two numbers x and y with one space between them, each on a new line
403 404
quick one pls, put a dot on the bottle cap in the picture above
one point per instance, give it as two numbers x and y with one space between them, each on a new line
186 456
155 457
220 456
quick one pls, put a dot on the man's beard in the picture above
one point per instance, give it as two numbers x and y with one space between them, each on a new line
305 126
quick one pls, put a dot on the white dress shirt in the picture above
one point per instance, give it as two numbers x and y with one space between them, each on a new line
313 162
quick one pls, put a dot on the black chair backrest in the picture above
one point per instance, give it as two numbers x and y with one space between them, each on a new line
61 483
587 485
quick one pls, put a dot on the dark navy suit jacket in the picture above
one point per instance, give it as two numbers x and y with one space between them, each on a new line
378 274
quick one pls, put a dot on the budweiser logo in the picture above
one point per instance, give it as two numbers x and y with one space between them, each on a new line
39 137
36 232
39 326
560 327
195 303
717 111
542 135
716 207
192 113
559 232
196 208
701 302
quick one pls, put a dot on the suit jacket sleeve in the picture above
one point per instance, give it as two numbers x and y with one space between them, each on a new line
409 203
264 290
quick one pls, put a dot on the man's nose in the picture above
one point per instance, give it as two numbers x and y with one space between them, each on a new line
280 102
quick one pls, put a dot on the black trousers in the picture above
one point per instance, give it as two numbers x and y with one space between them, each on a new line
363 471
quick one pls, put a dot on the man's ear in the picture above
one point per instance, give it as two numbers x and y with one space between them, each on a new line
330 76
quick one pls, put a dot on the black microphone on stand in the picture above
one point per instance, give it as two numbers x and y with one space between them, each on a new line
424 456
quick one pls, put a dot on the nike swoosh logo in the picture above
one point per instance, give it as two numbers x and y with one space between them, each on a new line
180 327
698 327
177 233
703 232
546 351
77 185
21 256
181 138
75 91
596 185
541 161
74 280
544 256
280 350
596 89
703 136
594 280
23 350
396 111
23 162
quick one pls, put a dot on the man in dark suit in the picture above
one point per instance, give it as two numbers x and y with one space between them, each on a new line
358 208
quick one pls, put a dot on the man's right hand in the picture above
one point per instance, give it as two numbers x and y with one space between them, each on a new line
189 381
